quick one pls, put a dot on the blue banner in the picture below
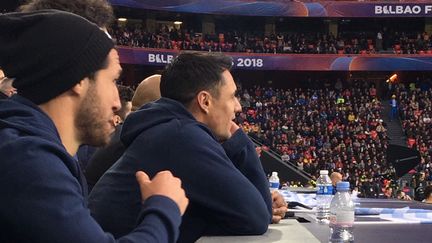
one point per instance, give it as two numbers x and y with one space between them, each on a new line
291 62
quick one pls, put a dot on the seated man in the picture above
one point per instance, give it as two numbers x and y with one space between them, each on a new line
66 97
190 132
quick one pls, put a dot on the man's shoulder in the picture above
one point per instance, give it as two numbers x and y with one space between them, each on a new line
32 152
180 129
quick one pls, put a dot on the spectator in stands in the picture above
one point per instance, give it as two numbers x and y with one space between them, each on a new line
126 95
393 105
421 185
388 192
402 196
216 161
285 157
65 103
6 88
335 177
428 194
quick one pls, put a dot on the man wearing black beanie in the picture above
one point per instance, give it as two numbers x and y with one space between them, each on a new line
65 69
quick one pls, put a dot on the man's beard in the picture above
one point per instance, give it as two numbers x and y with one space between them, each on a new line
90 121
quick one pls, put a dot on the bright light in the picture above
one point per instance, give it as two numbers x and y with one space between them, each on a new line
178 22
122 19
392 78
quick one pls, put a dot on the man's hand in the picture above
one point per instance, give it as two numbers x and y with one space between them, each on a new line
234 127
279 207
164 184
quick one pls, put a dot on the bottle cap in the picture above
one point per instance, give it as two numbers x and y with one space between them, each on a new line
323 172
343 185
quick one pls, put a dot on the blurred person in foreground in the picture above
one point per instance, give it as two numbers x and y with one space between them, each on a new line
99 12
67 96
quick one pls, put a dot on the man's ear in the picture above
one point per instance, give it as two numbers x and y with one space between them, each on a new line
81 87
204 99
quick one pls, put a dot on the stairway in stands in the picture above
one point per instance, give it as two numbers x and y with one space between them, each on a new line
394 127
395 134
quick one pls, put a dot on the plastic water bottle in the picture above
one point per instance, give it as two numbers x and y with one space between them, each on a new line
274 182
341 215
323 196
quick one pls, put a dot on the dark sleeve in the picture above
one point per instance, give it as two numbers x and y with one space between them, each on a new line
103 158
232 203
241 150
44 203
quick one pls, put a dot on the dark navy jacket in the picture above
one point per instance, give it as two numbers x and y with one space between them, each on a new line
225 183
43 192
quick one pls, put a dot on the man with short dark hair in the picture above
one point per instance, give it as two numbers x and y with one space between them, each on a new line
65 69
190 132
126 94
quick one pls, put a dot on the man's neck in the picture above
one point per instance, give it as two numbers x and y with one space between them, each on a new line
62 114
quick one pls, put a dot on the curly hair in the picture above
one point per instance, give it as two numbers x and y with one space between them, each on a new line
100 12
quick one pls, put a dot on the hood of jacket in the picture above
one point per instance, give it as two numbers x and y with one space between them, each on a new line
153 114
20 117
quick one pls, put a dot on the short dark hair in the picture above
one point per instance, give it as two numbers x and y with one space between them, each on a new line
192 72
126 94
99 12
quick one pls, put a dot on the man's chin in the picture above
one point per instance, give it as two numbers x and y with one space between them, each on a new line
223 138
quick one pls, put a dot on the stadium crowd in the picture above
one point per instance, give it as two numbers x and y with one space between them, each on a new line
293 43
415 111
337 129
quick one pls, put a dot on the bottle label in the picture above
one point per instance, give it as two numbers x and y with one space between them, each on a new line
274 185
342 218
325 190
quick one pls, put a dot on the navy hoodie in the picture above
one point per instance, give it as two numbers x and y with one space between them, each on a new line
225 183
43 192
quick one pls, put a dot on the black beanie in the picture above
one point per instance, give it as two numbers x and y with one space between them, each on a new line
49 51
